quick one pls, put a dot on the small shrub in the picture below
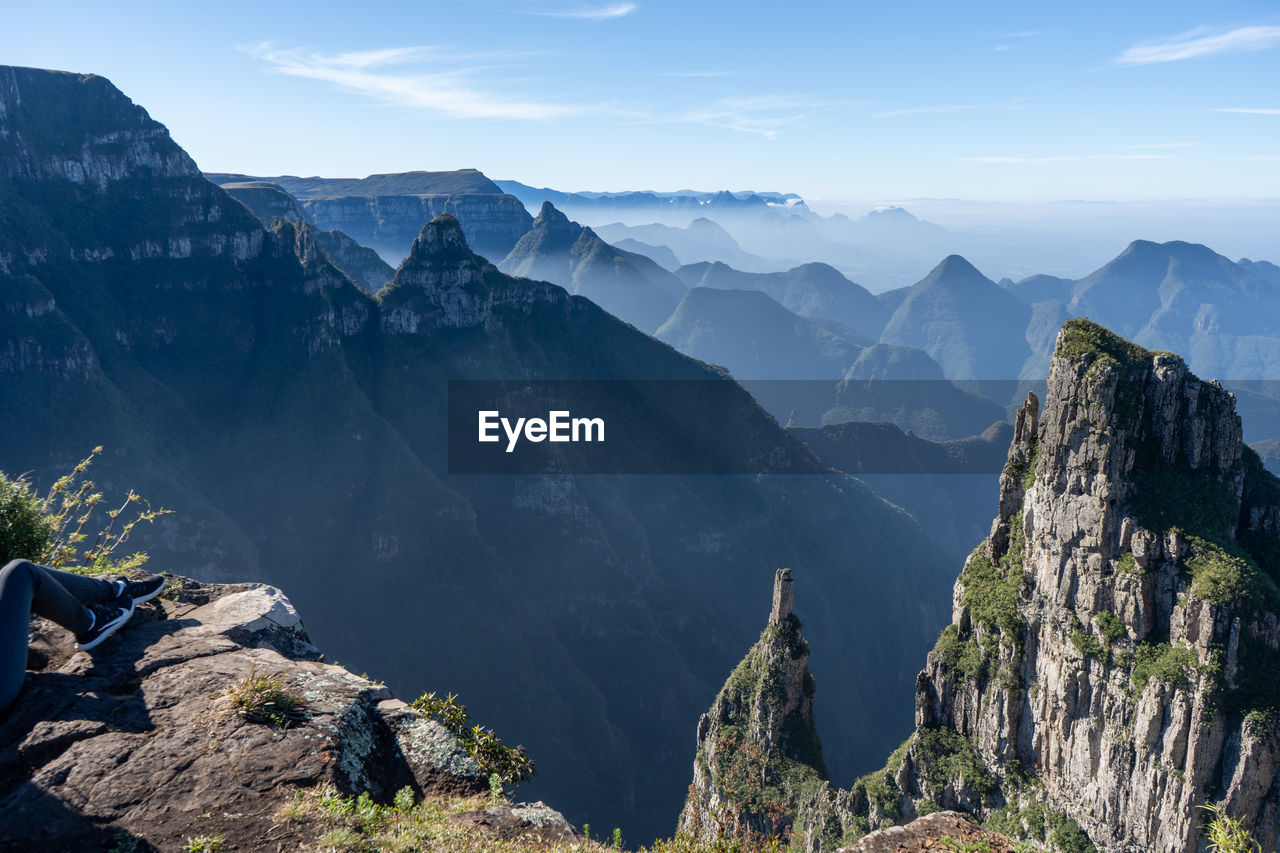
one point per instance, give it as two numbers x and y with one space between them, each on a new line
1227 834
511 765
264 699
52 530
204 844
1111 627
26 532
1066 836
1167 663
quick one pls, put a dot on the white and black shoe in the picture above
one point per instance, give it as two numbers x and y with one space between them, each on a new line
107 619
141 591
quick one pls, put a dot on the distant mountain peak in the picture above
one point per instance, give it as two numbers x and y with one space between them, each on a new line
442 233
955 267
551 220
892 213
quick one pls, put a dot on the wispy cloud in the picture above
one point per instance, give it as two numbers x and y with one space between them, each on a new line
1021 36
593 13
1257 111
1201 42
1066 158
762 115
428 78
943 109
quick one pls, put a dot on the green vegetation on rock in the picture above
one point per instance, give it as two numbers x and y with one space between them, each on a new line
1167 663
1081 337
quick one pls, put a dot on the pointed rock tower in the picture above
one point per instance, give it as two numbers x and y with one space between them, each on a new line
758 748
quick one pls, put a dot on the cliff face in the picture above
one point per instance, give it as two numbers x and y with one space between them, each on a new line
386 212
1114 637
1111 663
389 224
758 747
269 201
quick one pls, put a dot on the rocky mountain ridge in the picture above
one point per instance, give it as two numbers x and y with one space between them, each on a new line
630 286
386 212
1110 664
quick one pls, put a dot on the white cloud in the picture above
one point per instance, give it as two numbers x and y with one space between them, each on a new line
595 13
451 92
1257 111
762 115
1201 42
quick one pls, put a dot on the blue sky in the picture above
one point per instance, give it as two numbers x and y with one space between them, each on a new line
844 101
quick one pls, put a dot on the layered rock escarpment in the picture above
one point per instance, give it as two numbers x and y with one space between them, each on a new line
141 742
1110 666
386 212
269 201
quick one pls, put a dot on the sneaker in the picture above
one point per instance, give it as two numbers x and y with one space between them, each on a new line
107 619
141 591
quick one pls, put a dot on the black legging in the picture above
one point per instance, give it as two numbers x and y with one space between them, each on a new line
27 588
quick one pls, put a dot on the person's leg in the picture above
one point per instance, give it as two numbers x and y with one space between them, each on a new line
50 599
23 585
86 590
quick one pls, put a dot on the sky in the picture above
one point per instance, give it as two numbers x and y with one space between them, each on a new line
841 102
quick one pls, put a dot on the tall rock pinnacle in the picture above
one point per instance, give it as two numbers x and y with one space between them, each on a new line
758 748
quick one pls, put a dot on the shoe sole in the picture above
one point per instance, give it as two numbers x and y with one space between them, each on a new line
110 629
163 583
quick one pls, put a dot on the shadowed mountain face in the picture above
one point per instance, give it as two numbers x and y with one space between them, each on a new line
660 255
969 324
756 338
701 241
809 290
625 284
268 201
298 427
385 212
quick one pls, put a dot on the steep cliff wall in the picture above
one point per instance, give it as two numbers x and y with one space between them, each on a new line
1115 637
1112 659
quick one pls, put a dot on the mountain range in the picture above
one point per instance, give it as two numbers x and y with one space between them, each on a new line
385 212
627 285
298 427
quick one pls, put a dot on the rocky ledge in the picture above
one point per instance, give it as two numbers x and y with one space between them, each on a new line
949 831
141 741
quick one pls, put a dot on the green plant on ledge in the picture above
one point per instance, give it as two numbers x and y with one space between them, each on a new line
52 530
1227 834
510 765
264 699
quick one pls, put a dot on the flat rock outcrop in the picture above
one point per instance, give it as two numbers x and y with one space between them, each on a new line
140 737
